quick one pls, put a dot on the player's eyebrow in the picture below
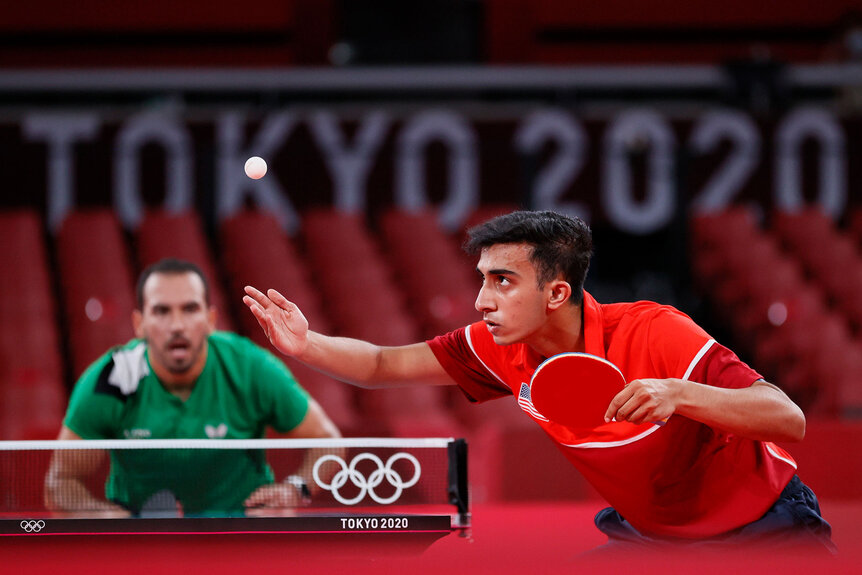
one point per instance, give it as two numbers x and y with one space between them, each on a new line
498 272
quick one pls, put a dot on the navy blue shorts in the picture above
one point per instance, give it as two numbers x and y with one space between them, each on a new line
792 523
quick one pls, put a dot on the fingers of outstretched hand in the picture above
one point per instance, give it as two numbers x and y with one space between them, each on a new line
266 301
279 299
255 295
251 304
258 313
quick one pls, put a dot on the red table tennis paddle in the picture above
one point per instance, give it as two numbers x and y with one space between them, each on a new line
575 389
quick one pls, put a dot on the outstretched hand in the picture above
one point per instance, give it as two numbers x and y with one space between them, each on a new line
280 319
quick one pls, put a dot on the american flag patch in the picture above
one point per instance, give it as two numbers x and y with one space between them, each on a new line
527 404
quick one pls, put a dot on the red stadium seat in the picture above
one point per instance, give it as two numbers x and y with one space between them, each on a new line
800 230
439 279
719 245
847 295
26 299
792 357
714 229
255 251
830 262
757 272
834 371
32 410
96 277
763 293
345 259
831 257
162 235
32 390
847 368
500 413
359 287
797 306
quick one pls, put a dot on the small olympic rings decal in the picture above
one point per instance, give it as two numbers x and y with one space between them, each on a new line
32 525
366 485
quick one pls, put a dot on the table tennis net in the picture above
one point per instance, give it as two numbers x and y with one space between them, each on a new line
169 478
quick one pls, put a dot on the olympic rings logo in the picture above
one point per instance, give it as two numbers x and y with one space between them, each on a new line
367 485
32 525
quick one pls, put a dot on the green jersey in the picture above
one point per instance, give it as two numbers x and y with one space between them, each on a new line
242 390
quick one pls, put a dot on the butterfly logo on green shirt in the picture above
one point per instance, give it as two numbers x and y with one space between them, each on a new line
214 432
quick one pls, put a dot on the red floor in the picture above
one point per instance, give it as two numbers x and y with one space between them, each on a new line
521 538
529 538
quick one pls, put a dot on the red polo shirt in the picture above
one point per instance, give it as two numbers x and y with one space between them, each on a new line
683 479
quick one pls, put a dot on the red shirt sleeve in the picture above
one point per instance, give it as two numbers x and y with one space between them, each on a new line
678 346
453 352
720 367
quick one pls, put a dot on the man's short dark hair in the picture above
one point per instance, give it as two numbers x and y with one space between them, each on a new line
562 245
170 266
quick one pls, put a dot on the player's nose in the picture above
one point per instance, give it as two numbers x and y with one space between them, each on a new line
177 323
483 300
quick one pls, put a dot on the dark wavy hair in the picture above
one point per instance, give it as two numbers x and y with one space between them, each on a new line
169 266
562 245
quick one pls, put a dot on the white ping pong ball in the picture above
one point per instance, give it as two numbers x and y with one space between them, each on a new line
255 167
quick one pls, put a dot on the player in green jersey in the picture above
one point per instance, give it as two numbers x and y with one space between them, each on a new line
181 379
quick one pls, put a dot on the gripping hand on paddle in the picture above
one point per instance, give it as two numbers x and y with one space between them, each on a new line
280 319
645 400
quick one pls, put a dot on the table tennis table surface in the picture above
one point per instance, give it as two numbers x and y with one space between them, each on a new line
350 540
306 523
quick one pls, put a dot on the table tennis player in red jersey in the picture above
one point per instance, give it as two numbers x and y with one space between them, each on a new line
684 453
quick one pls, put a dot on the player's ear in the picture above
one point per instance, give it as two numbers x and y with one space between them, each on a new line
137 323
212 317
560 292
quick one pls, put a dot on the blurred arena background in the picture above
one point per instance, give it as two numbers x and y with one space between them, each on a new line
714 147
